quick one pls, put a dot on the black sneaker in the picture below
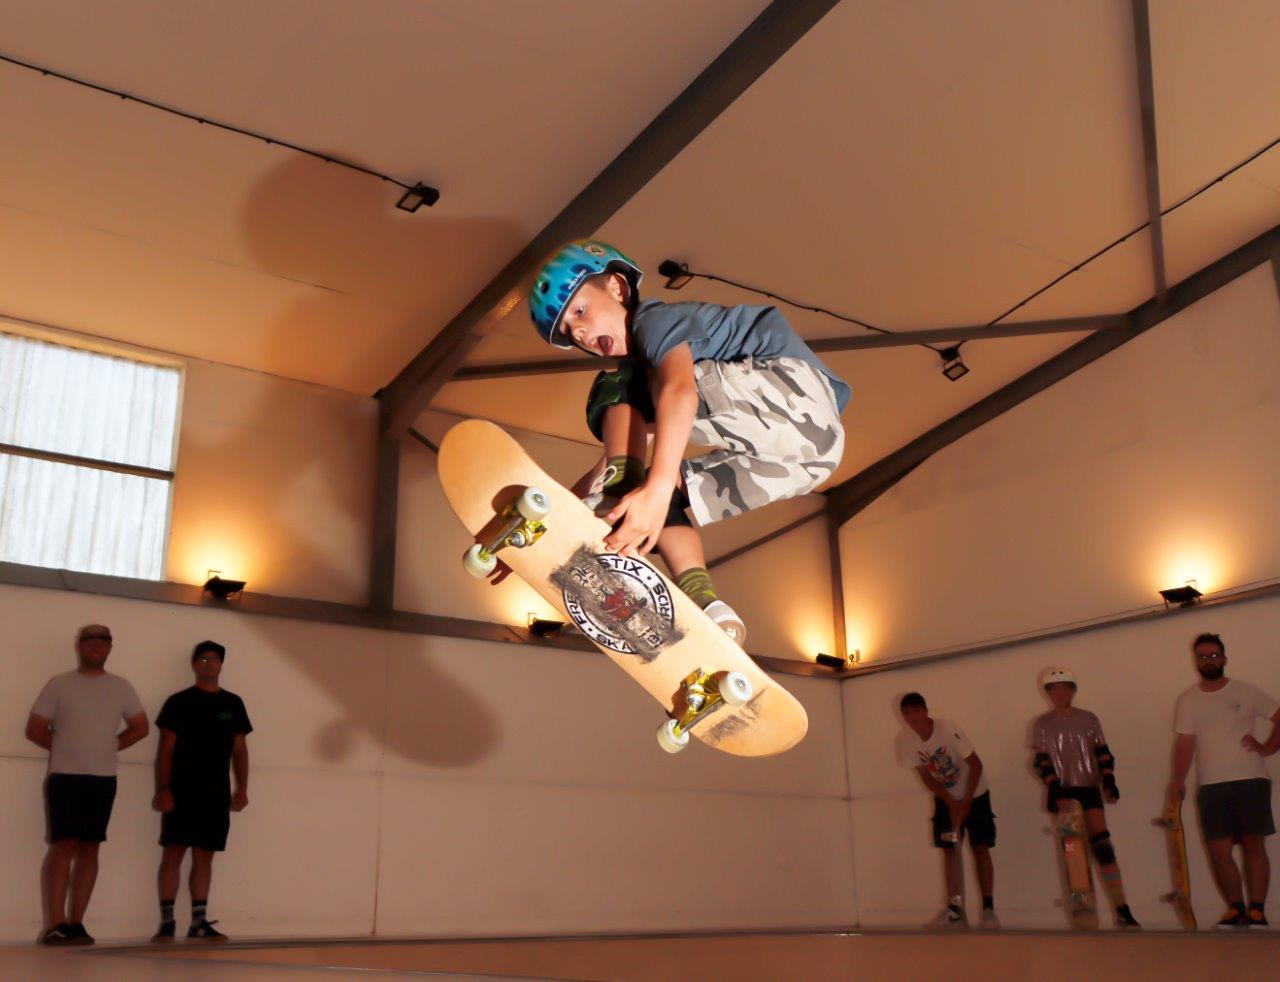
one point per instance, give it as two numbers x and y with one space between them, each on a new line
166 933
57 936
79 936
1125 920
205 931
1257 918
1232 919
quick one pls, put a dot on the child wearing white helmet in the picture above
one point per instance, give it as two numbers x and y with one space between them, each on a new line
1075 763
736 379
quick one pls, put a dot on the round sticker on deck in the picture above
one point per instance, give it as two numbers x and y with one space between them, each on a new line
624 605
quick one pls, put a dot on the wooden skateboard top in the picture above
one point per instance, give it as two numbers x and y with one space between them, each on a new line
657 641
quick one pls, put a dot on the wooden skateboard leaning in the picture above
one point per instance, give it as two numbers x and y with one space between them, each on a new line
1176 840
708 686
1073 848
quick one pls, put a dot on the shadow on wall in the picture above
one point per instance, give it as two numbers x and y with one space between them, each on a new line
373 284
419 712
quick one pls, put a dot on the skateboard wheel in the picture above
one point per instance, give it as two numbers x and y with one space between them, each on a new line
671 741
533 504
478 563
735 689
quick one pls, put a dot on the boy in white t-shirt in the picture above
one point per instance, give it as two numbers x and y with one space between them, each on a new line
1214 722
944 758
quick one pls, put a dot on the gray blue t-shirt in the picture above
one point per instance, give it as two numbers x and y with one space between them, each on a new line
716 333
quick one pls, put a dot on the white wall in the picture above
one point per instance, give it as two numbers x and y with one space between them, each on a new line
274 485
1155 464
1130 676
1158 463
409 784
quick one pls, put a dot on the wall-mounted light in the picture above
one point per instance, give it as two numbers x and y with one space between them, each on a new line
1183 596
417 196
541 627
952 367
218 588
677 274
839 664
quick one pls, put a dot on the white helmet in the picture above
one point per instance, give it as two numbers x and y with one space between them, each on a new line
1055 675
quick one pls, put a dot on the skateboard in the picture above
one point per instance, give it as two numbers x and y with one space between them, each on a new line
956 837
1073 847
709 687
1175 839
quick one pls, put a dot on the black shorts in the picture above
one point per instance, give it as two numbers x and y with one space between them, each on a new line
197 823
1090 797
979 826
1232 809
78 806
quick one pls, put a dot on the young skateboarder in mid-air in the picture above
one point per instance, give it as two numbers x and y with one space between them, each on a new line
737 379
1073 760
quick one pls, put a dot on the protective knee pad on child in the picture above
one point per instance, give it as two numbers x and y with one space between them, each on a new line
1103 851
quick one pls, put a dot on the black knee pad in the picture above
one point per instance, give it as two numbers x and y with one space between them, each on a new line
1103 851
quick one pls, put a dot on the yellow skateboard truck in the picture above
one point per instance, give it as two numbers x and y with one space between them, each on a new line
523 527
700 694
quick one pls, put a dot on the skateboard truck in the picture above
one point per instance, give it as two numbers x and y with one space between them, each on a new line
700 694
523 526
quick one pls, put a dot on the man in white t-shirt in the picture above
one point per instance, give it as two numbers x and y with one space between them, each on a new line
1214 722
77 719
944 758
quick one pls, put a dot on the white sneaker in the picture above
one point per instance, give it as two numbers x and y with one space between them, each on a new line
596 499
948 920
989 920
600 503
728 620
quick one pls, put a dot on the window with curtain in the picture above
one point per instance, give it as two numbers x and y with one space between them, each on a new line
87 445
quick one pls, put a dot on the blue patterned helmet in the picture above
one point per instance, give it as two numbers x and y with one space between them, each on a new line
561 276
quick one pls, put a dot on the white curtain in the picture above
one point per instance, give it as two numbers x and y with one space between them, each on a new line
73 401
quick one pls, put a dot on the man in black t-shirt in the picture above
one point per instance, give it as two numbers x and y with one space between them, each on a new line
202 731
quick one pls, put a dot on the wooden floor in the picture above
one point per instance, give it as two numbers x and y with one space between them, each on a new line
982 957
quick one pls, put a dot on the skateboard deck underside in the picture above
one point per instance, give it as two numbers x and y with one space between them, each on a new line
632 613
1073 847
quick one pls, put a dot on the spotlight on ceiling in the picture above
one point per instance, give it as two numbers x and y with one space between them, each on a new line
952 367
1183 596
677 274
417 196
221 589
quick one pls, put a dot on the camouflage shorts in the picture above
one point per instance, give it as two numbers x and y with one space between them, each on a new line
776 433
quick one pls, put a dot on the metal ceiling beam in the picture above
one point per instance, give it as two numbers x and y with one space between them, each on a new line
857 342
1151 160
839 629
750 55
382 554
851 496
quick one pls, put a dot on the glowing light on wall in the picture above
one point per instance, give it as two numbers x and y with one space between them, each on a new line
191 559
522 603
1181 561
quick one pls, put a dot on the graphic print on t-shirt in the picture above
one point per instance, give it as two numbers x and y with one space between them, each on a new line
942 767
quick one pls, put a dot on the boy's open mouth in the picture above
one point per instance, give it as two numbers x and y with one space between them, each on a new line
605 344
